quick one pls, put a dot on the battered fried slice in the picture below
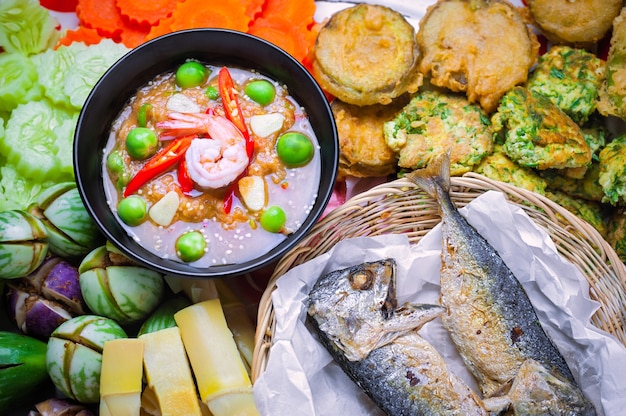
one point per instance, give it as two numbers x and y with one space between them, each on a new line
613 91
481 47
588 187
433 123
538 134
589 211
498 166
612 175
616 232
363 149
574 22
367 54
571 78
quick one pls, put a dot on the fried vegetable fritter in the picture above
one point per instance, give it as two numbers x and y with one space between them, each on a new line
612 175
481 47
434 122
613 92
616 232
571 78
538 134
363 149
588 187
574 22
367 54
498 166
589 211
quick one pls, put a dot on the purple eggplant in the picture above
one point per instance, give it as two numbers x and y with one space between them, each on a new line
61 407
40 302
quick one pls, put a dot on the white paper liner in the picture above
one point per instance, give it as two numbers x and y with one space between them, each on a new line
301 378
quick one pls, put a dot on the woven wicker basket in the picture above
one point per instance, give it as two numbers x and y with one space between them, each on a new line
401 207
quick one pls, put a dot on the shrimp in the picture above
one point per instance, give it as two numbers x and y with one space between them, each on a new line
212 162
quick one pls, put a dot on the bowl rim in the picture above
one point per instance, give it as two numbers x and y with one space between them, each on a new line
286 67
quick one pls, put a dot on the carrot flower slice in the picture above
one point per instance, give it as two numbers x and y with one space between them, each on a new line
82 34
226 14
144 13
101 15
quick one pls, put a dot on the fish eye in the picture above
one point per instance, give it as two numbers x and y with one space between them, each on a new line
362 280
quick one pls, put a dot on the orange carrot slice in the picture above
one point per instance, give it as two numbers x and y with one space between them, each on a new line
142 12
101 15
81 34
163 27
134 35
297 12
282 33
253 8
226 14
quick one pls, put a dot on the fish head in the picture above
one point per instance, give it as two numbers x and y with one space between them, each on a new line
357 310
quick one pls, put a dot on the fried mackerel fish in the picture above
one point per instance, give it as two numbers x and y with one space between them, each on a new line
481 47
363 149
571 78
574 22
434 122
367 54
537 134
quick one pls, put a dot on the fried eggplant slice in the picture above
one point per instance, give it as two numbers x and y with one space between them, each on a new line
363 149
571 78
480 47
574 22
538 134
367 54
434 122
613 91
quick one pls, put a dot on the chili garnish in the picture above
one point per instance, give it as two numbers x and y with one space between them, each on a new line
232 110
159 163
185 182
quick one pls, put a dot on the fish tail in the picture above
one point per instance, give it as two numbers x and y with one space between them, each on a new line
435 177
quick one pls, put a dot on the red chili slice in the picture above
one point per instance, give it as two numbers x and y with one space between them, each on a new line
232 109
159 163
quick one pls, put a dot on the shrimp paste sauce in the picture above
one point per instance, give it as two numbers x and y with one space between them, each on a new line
217 167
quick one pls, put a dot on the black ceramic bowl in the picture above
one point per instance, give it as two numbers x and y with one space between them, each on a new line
214 46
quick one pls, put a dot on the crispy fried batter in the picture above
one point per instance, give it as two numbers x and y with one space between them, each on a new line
364 152
367 54
613 91
538 134
481 47
574 22
434 122
612 175
616 233
500 167
571 78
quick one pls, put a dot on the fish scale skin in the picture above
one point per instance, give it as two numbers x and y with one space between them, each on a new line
489 316
508 324
401 372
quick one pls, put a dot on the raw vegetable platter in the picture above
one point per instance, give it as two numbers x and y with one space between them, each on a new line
54 164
